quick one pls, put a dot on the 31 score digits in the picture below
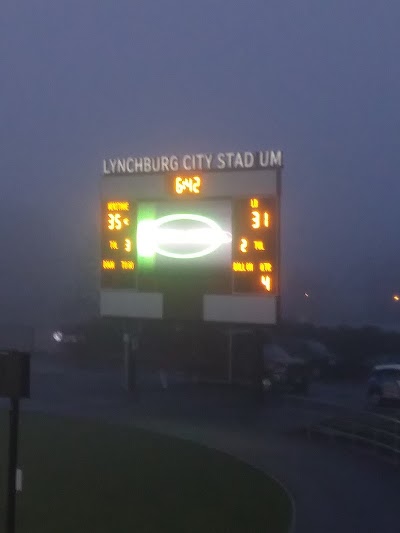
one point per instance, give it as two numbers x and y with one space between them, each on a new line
259 219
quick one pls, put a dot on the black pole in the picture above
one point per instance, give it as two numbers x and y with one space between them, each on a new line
12 463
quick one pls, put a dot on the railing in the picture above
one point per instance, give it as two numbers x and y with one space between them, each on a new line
367 429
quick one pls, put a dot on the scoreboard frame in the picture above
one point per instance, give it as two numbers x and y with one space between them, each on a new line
197 186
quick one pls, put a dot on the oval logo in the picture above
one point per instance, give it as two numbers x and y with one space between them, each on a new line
167 235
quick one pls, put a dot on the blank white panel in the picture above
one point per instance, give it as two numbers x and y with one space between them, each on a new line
123 303
239 308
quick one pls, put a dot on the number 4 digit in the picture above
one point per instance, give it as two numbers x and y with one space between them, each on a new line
266 281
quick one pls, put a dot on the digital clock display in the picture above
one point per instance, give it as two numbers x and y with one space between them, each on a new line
185 185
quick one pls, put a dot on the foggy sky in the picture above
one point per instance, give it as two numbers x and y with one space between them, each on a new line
82 80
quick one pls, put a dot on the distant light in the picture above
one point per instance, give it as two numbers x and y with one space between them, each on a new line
396 298
58 336
306 295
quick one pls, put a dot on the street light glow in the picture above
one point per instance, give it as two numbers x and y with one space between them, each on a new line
58 336
396 298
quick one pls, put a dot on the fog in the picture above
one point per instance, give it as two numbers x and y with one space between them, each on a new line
82 81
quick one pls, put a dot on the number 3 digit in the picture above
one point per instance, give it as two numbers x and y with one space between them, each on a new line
255 219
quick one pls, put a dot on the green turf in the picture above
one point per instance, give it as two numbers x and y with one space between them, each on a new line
82 476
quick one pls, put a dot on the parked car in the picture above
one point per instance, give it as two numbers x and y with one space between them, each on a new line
316 356
284 371
384 384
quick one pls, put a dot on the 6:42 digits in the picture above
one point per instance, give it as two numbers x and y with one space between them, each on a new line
189 184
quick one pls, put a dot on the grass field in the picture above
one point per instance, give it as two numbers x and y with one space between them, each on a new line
83 477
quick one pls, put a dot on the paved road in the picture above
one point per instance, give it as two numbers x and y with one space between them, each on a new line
348 394
351 396
335 490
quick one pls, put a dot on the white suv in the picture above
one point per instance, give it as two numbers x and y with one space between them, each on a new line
384 384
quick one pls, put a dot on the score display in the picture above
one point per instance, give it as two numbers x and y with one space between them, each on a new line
231 240
192 238
118 248
255 246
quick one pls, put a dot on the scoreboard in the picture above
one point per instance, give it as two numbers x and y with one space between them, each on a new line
201 244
